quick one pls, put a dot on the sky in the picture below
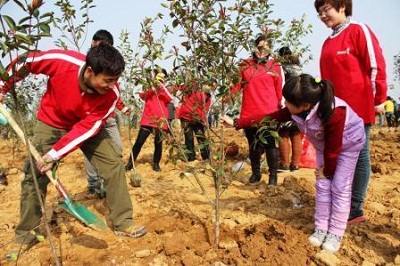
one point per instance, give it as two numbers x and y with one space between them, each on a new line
381 16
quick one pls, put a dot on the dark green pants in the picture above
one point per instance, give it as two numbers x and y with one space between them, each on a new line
102 153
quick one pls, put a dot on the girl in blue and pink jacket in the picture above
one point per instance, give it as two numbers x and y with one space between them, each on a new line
338 135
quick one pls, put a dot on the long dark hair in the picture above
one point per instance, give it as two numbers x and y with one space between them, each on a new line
307 89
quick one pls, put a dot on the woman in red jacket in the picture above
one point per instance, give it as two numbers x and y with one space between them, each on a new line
261 85
192 112
352 60
154 120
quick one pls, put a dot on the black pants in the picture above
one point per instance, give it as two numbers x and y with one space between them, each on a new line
257 148
191 129
143 134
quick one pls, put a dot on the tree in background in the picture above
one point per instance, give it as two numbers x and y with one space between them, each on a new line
73 24
212 35
18 36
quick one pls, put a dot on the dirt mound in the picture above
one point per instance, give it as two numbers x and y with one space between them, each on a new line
259 224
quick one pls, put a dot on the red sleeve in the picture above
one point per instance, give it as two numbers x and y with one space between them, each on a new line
374 62
282 115
234 89
164 95
333 139
45 63
279 84
121 105
146 94
87 127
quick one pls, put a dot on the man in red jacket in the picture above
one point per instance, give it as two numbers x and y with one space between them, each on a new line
81 94
96 183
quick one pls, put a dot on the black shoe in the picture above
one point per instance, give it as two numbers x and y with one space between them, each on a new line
100 190
128 166
156 167
273 180
3 180
254 178
293 168
91 189
283 168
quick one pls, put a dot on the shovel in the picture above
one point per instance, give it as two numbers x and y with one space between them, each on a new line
134 177
75 209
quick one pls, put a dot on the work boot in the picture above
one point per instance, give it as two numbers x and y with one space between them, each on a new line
156 167
272 160
131 231
255 166
129 166
3 180
15 249
100 189
254 178
273 180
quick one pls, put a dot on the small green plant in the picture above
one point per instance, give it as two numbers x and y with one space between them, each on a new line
73 24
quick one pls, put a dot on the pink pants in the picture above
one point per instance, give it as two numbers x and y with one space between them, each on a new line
333 197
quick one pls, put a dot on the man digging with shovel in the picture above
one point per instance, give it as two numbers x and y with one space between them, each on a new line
81 93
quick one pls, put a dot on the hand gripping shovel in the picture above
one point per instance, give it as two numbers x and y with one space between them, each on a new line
75 209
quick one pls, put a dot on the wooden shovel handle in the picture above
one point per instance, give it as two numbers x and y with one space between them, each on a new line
21 135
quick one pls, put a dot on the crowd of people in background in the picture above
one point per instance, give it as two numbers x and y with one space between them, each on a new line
391 114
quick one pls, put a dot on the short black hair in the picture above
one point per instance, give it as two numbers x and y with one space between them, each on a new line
337 4
262 37
105 58
103 36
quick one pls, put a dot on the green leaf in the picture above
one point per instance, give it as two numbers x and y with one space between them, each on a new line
20 5
48 14
10 22
23 37
36 13
45 28
3 72
175 23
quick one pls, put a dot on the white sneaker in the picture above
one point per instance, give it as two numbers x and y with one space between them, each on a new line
332 243
317 238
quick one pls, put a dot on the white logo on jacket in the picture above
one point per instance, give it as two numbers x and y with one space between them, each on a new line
347 51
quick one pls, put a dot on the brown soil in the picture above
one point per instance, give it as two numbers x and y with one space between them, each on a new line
260 224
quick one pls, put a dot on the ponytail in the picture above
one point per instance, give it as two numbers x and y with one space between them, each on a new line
307 89
326 102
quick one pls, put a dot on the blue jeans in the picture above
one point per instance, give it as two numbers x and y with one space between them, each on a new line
361 178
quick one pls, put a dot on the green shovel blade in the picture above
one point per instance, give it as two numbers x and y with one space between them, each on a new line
84 215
